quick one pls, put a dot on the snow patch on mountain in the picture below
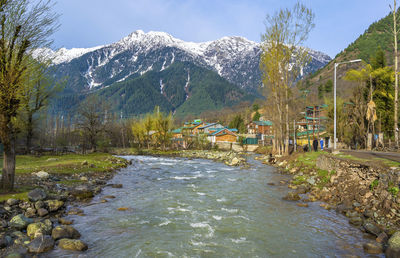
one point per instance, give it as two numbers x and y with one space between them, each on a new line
233 58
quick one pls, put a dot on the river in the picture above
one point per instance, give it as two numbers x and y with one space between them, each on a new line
199 208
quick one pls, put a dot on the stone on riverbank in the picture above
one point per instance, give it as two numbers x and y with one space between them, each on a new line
42 212
82 192
37 195
39 228
54 205
12 201
20 222
72 244
292 196
356 221
371 228
41 244
41 175
393 249
65 231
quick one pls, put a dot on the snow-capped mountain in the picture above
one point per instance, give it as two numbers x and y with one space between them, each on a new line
233 58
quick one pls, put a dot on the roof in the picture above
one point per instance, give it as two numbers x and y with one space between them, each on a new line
223 131
262 122
208 125
179 130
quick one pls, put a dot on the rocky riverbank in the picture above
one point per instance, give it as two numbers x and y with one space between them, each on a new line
366 193
36 225
230 158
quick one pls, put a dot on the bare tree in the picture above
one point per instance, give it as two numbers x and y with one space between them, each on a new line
36 92
24 26
282 61
91 120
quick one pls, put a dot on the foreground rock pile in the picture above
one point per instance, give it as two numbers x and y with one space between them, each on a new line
230 158
36 226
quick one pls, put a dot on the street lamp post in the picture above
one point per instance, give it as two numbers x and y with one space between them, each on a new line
334 99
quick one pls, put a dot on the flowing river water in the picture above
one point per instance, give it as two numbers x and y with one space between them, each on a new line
199 208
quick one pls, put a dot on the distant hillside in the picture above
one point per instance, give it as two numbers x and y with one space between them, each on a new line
377 36
183 88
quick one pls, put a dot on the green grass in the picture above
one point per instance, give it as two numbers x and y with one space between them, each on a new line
309 158
61 165
65 164
21 194
299 180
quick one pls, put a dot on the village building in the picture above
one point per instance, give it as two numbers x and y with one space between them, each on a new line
223 135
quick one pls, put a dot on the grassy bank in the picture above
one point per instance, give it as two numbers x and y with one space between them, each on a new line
303 166
61 166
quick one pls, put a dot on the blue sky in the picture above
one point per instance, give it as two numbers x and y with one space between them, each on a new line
88 23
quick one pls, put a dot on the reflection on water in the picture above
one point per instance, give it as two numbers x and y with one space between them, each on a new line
199 208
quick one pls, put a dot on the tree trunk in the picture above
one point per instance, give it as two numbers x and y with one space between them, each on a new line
29 134
7 180
287 134
396 93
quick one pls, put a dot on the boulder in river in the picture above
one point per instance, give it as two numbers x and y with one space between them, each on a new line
72 244
65 231
40 244
37 195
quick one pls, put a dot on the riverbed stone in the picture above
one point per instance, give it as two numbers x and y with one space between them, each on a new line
30 212
393 249
38 228
373 248
382 238
20 222
75 211
65 231
37 195
72 244
54 205
64 221
40 244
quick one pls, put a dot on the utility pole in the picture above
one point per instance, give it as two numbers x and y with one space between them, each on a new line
396 80
294 136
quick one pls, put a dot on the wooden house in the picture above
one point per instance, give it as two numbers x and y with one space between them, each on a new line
223 135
